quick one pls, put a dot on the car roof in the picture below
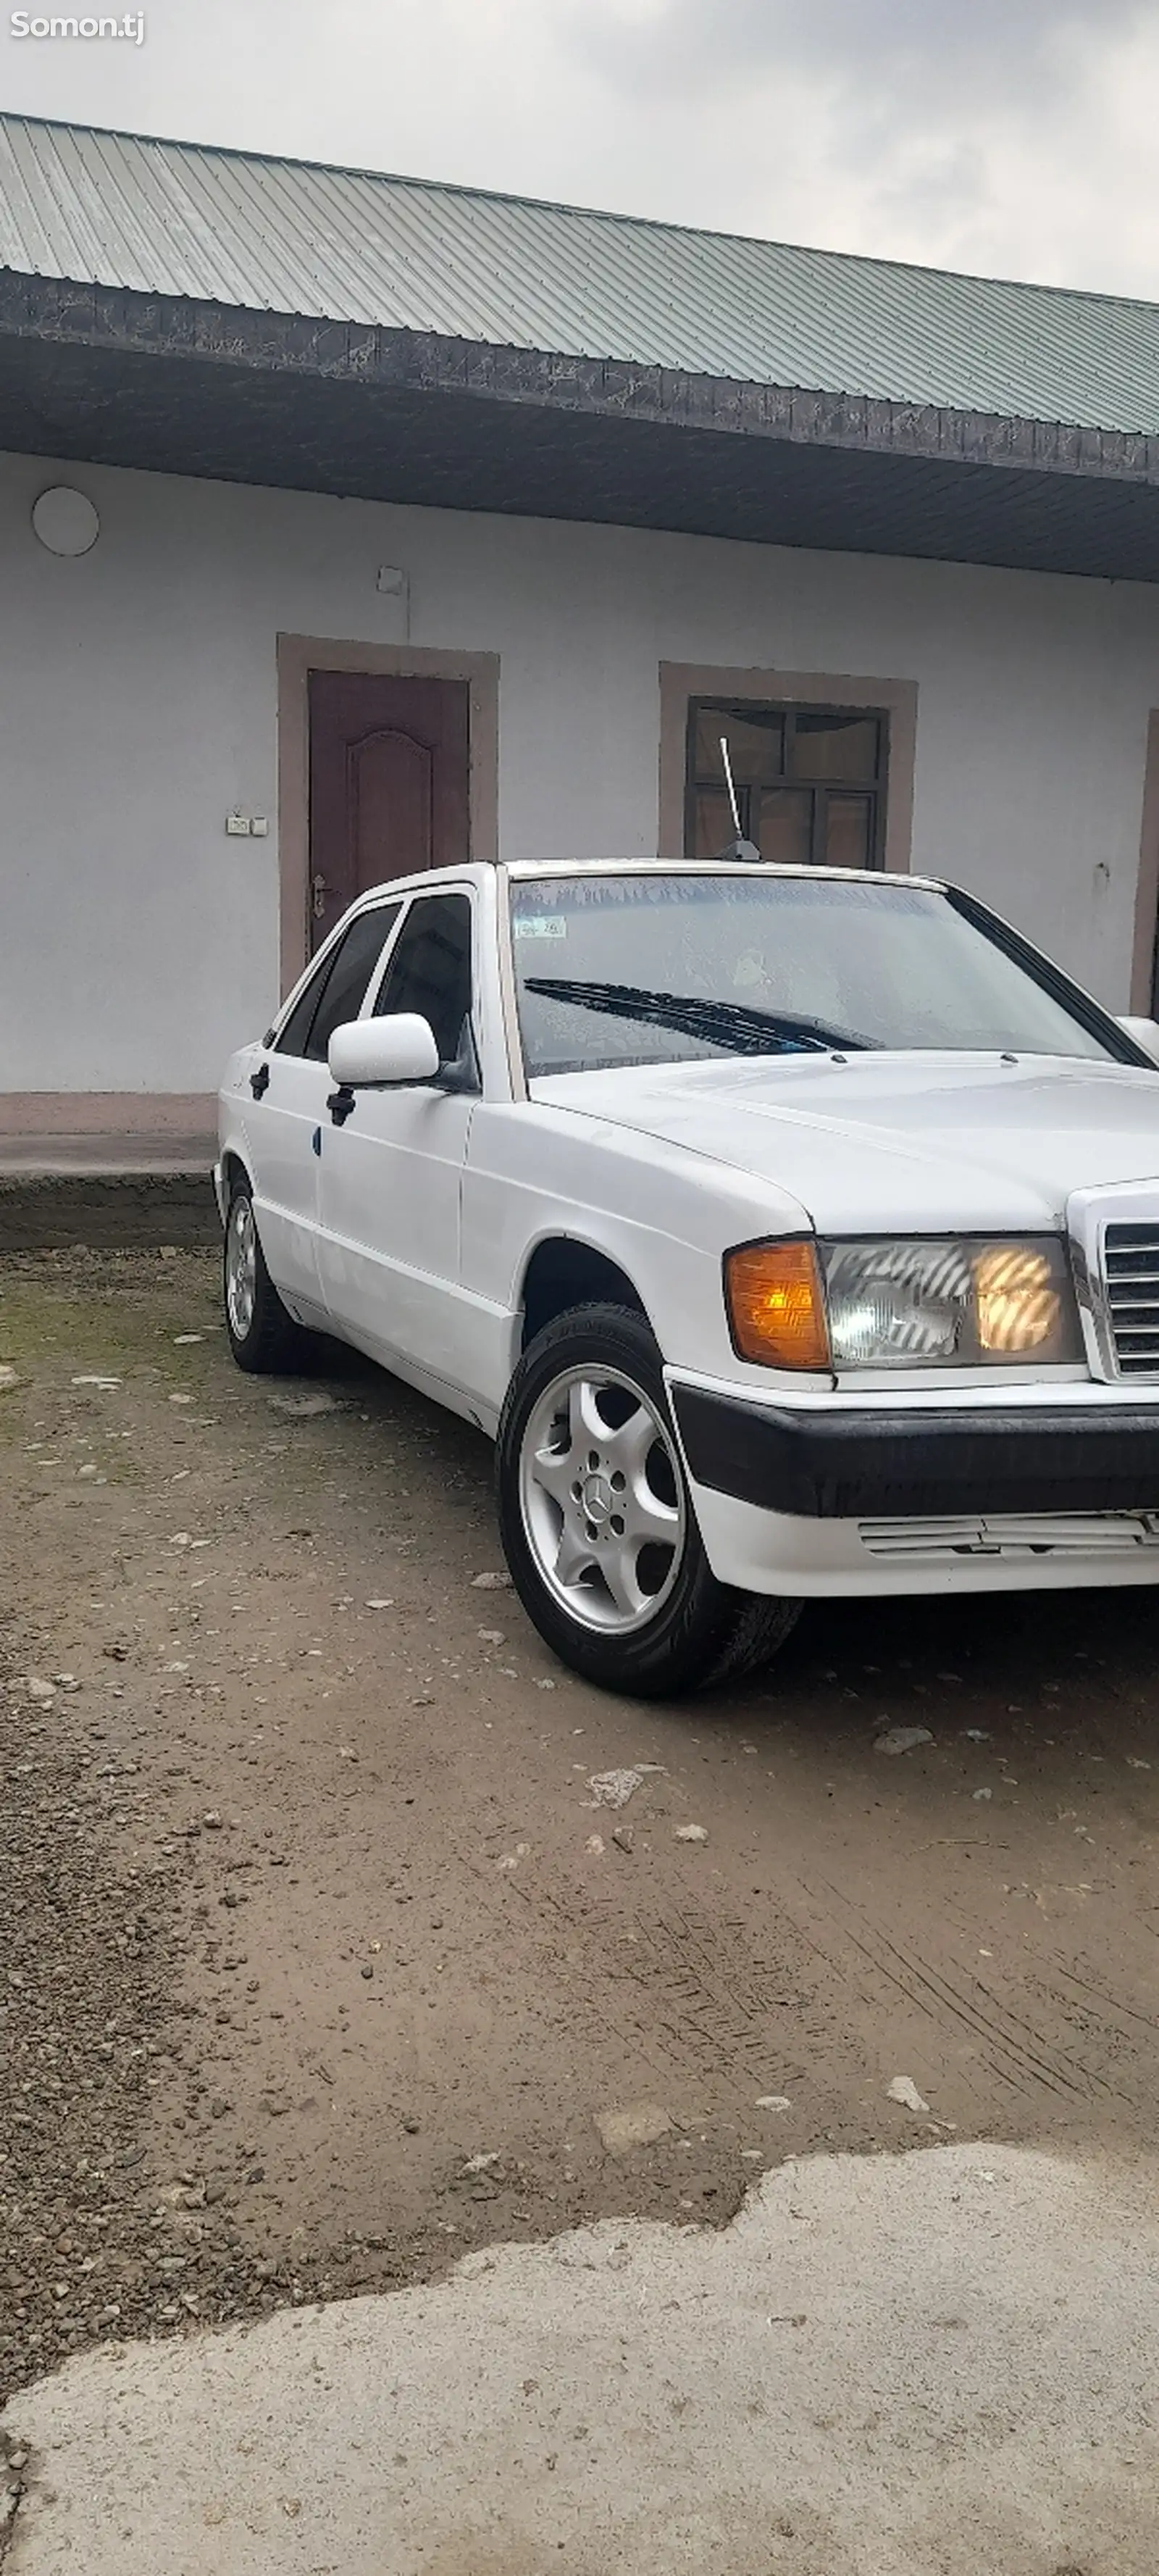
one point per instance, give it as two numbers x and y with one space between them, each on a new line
520 871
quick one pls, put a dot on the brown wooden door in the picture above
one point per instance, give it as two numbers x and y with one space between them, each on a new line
388 784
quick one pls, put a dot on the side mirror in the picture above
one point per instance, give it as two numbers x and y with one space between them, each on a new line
1145 1034
400 1047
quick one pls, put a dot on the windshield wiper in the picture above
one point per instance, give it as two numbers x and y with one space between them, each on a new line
739 1026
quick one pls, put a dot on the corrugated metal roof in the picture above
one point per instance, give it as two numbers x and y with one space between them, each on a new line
293 237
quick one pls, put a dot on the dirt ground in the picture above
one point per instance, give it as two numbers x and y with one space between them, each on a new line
321 1956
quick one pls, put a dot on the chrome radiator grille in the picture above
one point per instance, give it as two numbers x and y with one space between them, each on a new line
1131 1269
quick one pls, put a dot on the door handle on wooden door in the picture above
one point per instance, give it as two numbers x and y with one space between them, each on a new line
318 893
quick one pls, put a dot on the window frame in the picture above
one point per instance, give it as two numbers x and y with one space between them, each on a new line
788 711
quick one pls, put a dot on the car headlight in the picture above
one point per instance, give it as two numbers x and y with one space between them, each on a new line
901 1304
910 1304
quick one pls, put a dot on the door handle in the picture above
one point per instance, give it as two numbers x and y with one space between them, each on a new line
340 1104
260 1081
318 893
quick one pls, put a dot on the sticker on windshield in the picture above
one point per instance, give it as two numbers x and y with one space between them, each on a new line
540 925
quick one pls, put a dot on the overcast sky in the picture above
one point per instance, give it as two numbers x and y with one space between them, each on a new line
1016 137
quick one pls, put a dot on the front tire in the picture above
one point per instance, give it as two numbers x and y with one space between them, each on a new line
264 1339
597 1520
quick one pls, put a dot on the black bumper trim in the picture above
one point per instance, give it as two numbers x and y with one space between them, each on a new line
846 1466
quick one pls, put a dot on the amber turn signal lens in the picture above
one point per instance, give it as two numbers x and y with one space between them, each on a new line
776 1306
1017 1302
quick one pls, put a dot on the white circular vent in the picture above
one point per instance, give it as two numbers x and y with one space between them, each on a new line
65 521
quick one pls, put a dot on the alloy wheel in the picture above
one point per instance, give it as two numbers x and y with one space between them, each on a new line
602 1499
241 1267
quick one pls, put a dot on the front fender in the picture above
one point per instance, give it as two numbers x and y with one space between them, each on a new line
662 1215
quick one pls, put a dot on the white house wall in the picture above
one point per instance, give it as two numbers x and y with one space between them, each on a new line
138 943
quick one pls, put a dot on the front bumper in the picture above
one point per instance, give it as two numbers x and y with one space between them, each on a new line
860 1500
908 1463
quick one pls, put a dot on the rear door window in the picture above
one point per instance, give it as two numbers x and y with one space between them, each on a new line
336 993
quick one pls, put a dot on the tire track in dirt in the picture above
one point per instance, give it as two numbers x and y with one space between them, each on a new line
694 1993
1018 2051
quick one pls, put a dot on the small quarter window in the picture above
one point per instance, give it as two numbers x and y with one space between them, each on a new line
296 1029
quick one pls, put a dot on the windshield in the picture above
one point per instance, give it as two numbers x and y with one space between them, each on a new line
660 970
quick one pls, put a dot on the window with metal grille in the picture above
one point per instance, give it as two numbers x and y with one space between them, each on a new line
810 781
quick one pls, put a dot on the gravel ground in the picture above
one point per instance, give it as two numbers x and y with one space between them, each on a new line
92 1955
342 1933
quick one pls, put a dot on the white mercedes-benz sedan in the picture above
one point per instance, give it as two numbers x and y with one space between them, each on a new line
793 1232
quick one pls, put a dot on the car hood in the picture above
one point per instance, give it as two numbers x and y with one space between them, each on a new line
935 1141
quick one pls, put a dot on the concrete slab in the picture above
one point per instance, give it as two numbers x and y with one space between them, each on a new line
53 1115
105 1152
938 2364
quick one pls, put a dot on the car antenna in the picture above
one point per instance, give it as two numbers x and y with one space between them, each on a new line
738 848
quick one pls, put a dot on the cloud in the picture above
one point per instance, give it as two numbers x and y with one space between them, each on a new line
1011 136
1014 136
888 55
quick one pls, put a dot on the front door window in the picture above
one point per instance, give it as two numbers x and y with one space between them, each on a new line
429 971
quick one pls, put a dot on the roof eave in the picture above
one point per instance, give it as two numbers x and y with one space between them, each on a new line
969 474
91 315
